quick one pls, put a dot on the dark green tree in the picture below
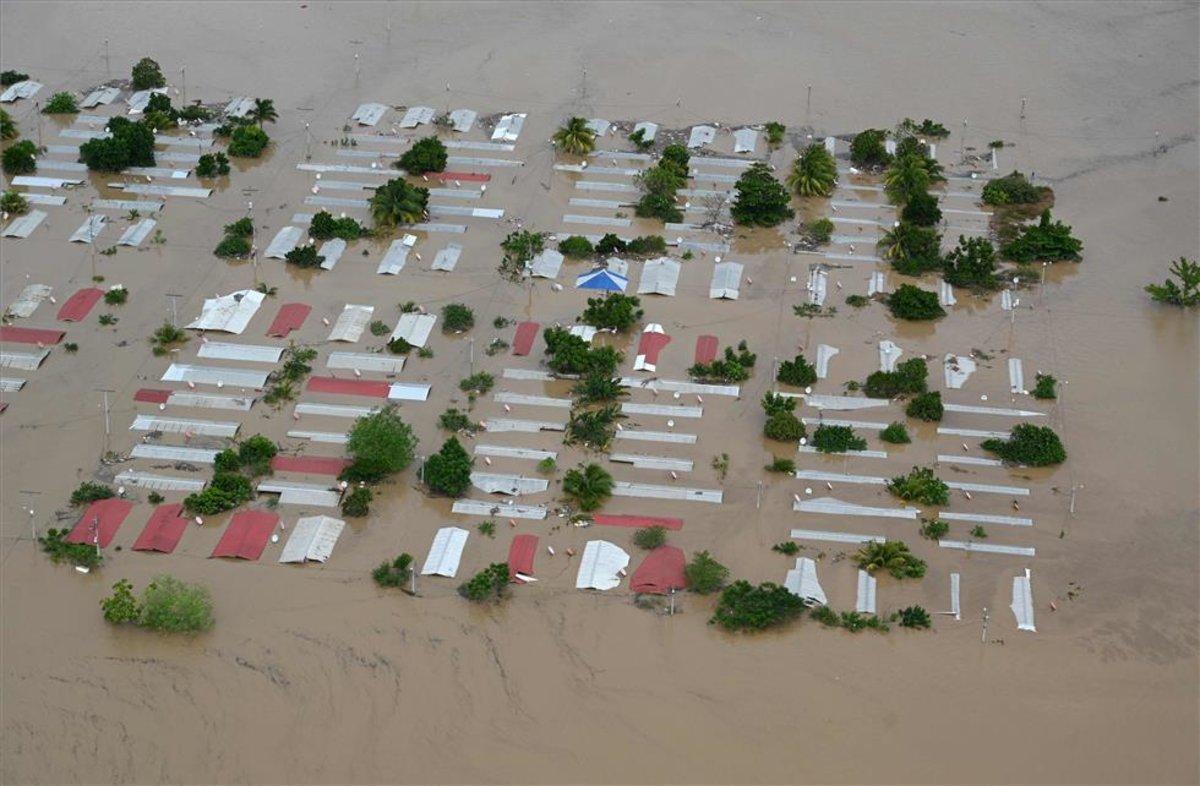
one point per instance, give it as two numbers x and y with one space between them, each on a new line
761 199
449 470
426 155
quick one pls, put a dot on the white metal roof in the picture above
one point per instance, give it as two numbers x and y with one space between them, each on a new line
25 361
320 498
229 313
831 145
395 258
1022 602
369 114
148 480
509 128
623 488
745 140
506 451
328 437
726 280
26 89
138 101
946 294
283 242
408 391
528 374
476 507
818 284
649 130
157 190
656 436
831 506
101 95
857 453
802 582
972 432
43 199
659 276
137 233
52 165
215 375
505 397
173 453
446 552
239 106
825 354
877 284
210 401
865 600
546 264
680 386
313 538
513 485
958 369
90 229
272 486
332 250
255 353
835 537
447 258
351 323
146 205
640 461
1002 411
414 328
988 548
498 425
871 425
664 410
1016 376
30 298
825 401
601 566
986 518
955 603
83 133
22 226
13 384
334 410
366 361
463 119
204 428
417 115
598 126
701 135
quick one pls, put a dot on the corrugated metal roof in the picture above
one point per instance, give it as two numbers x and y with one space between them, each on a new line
802 582
51 165
310 498
499 147
474 507
205 428
509 128
599 126
408 391
476 161
449 229
865 599
183 141
1022 602
351 323
605 185
835 537
210 401
366 361
90 229
99 96
701 135
513 485
346 168
328 437
27 302
369 114
649 130
157 171
456 193
445 553
147 480
818 285
1002 411
136 234
505 451
529 374
334 410
640 461
82 133
328 201
856 453
283 242
345 185
988 548
955 458
43 199
312 539
872 425
825 353
505 397
831 506
22 226
417 115
622 155
958 368
972 432
623 488
141 205
438 211
25 89
253 353
983 518
213 375
25 361
229 313
138 100
823 401
414 328
659 277
679 386
272 486
157 190
546 264
447 258
239 106
656 436
395 259
173 453
12 385
332 250
663 410
745 140
463 119
601 566
607 204
500 425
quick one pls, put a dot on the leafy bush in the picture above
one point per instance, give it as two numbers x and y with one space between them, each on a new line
906 177
61 104
13 203
798 372
398 202
248 142
480 382
593 428
836 439
395 573
457 317
660 206
775 131
784 427
588 485
130 144
547 466
324 226
926 406
854 622
920 485
117 296
243 227
598 386
734 367
122 606
1047 240
892 556
908 378
912 249
398 346
867 150
814 172
817 233
638 138
914 617
195 112
520 247
212 165
304 256
487 528
704 574
165 337
645 245
89 491
449 470
1186 293
8 129
913 303
1012 189
146 75
357 503
576 247
650 538
934 529
761 200
227 460
173 606
857 301
782 465
379 445
455 420
107 319
971 264
1045 388
978 531
745 607
570 354
613 311
426 155
1030 445
55 545
19 158
256 453
789 548
826 616
12 77
491 583
611 244
921 210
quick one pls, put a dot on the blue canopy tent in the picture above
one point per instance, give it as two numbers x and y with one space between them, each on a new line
603 279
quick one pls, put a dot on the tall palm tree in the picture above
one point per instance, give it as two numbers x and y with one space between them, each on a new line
263 111
814 172
575 137
589 486
906 176
398 202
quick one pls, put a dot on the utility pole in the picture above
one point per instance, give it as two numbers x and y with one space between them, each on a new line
183 83
472 366
1022 107
983 638
107 68
37 107
962 142
29 509
357 68
307 142
808 104
107 425
174 298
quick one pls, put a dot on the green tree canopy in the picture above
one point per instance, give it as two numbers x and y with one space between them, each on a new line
398 202
426 155
449 470
379 445
761 199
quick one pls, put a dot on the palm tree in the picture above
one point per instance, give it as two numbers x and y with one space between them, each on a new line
814 172
906 176
575 137
398 202
589 486
892 556
263 111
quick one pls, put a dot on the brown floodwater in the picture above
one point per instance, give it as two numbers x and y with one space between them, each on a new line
313 675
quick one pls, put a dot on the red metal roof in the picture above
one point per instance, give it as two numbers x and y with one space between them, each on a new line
313 465
470 177
290 317
247 535
520 556
152 395
107 515
78 305
349 387
706 349
163 530
526 334
661 570
617 520
651 344
24 335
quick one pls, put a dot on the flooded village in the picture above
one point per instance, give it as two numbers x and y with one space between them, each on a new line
606 393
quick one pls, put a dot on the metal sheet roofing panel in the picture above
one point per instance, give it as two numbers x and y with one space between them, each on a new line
175 191
25 89
25 361
24 335
229 313
640 461
174 453
623 488
701 135
100 521
141 205
246 535
417 116
148 480
475 507
500 425
447 258
463 119
395 259
601 566
22 226
163 531
310 465
369 114
831 506
506 451
43 199
512 485
52 165
347 387
205 428
366 361
253 353
239 106
657 436
546 264
414 328
659 277
100 96
290 317
662 410
332 250
745 140
312 539
283 242
138 100
27 302
90 229
207 401
445 553
11 384
327 437
334 410
504 397
351 323
215 375
509 128
835 537
137 233
988 548
408 391
649 130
